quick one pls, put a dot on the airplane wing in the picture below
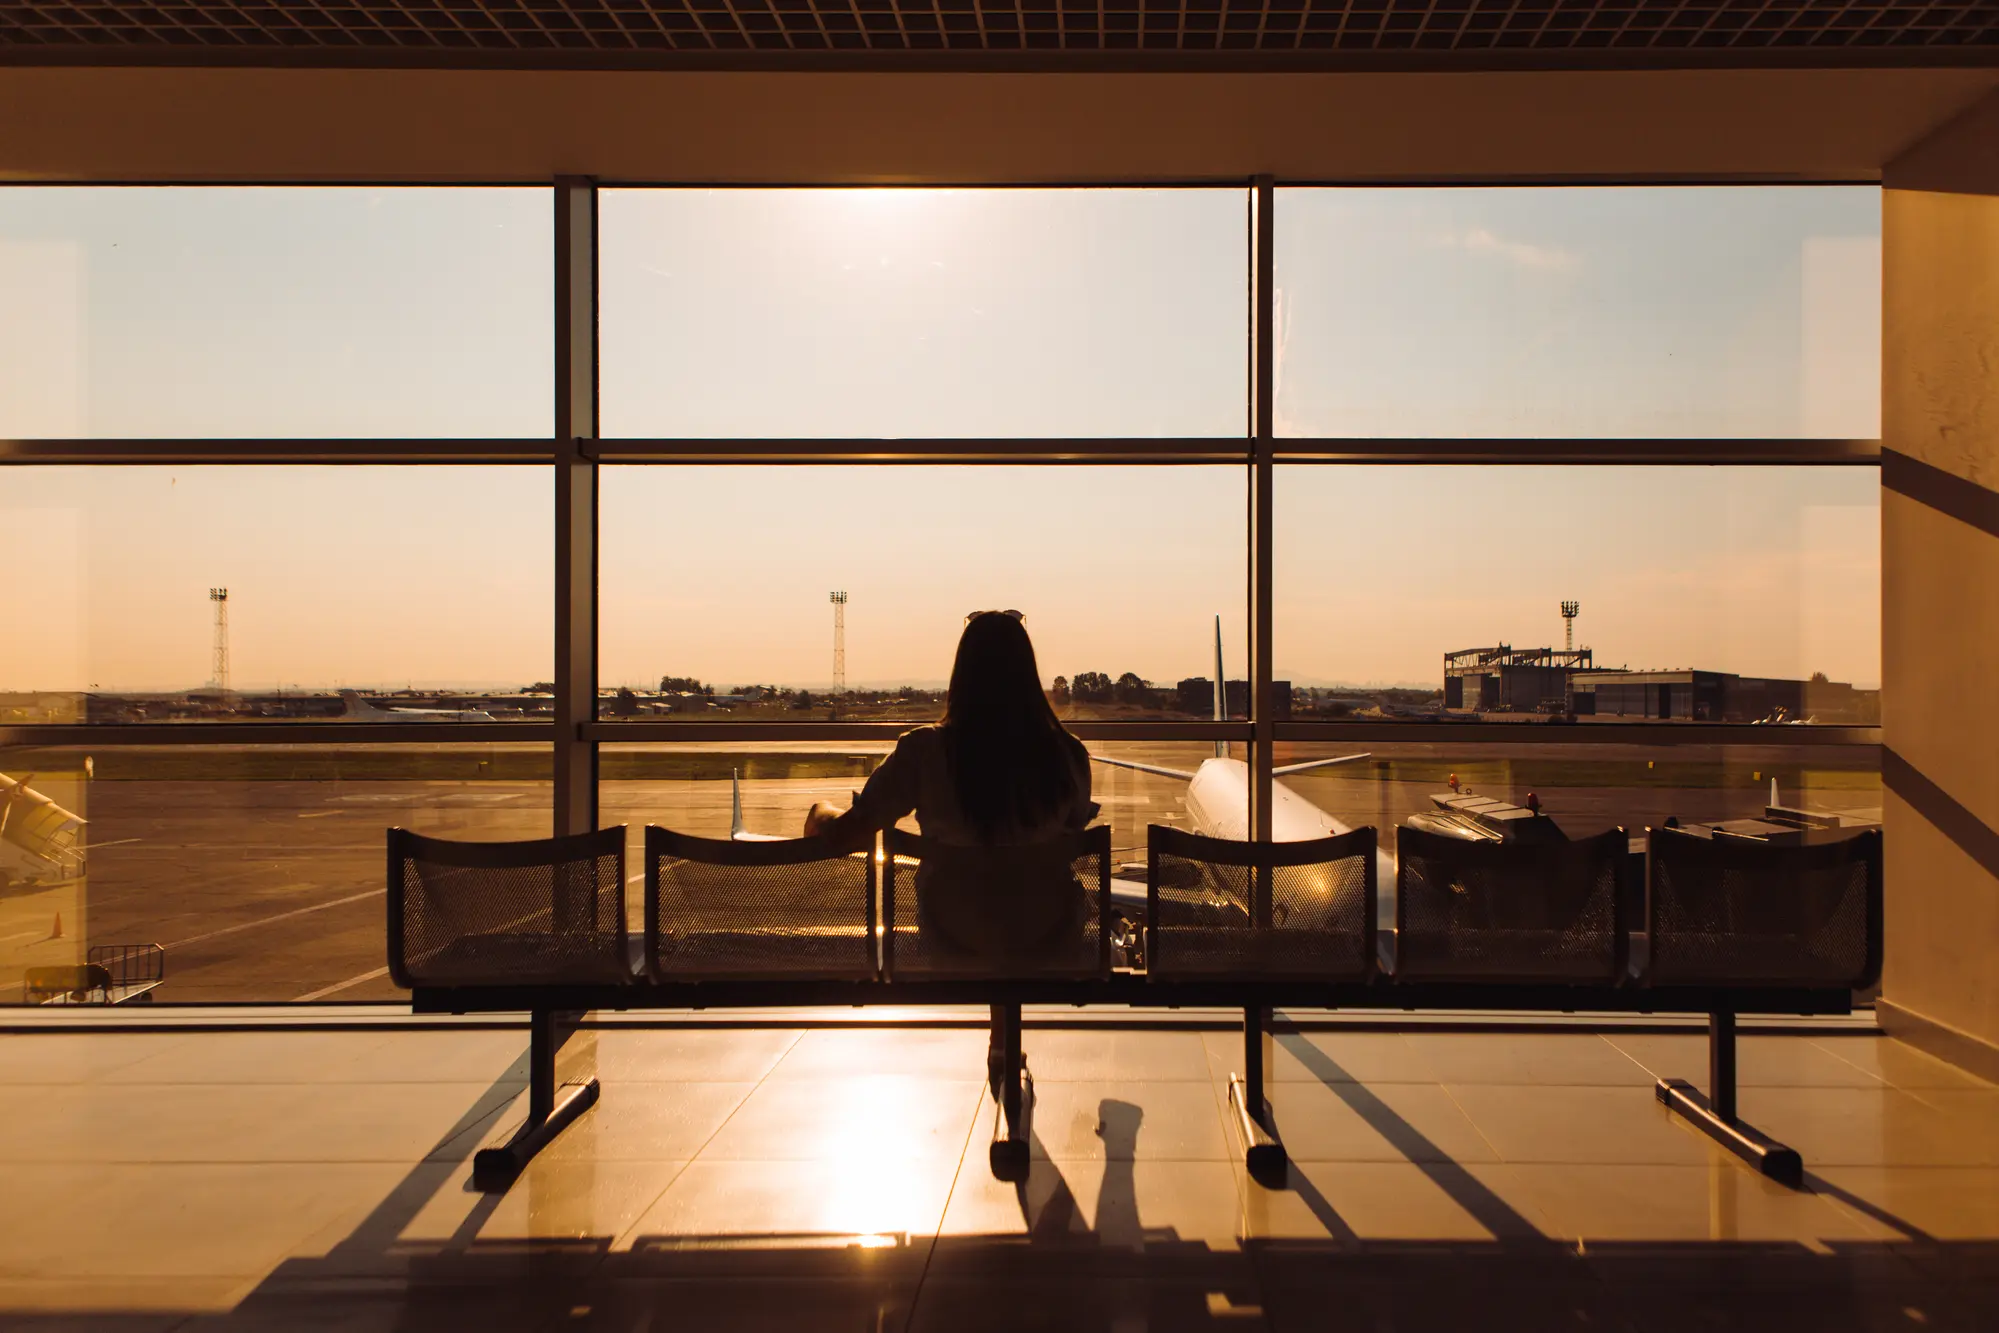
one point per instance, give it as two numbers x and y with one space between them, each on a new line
1180 773
1317 763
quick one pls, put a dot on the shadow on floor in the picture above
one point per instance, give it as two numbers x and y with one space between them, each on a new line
1107 1274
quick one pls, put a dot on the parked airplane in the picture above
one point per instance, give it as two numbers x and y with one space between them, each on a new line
360 710
1218 791
39 840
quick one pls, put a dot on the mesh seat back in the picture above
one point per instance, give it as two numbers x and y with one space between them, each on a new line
997 912
550 911
1728 911
1222 909
721 910
1495 911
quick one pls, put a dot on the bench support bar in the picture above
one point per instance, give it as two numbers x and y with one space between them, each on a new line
549 1110
1262 1151
1014 1091
1773 1159
1714 1115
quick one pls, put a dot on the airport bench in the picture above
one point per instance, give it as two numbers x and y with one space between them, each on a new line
1734 928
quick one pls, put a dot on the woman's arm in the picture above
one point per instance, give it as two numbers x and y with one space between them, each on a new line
890 794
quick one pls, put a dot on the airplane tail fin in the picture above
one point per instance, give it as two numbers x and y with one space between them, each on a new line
736 826
358 709
1221 691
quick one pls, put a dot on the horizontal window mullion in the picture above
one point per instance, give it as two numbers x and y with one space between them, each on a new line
64 735
1590 733
195 451
1615 452
1198 449
665 733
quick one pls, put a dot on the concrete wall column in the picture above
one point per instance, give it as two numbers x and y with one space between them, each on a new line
1940 590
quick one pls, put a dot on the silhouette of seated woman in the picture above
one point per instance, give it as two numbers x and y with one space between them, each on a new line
995 787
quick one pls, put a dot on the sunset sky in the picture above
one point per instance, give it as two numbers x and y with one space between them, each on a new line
384 313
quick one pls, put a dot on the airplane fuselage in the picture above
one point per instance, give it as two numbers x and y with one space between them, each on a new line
1218 806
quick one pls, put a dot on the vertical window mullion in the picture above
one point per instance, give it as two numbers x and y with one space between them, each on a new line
575 504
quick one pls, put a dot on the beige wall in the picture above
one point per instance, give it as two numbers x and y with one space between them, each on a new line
1940 583
498 125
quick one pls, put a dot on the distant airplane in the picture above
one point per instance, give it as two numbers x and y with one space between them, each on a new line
360 710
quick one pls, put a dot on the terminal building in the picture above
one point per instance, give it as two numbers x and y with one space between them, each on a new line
1505 679
1718 696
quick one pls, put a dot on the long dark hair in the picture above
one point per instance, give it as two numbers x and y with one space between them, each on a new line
1012 763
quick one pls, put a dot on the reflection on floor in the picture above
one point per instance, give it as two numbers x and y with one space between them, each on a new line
835 1178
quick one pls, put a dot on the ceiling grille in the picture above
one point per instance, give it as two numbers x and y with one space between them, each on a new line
1096 26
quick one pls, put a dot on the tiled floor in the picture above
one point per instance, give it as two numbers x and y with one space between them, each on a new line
836 1178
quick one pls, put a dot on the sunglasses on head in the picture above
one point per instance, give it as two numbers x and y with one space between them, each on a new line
970 616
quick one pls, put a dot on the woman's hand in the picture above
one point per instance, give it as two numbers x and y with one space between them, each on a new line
822 816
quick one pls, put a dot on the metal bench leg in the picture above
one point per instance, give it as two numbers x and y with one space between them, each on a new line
548 1113
1015 1094
1263 1152
1714 1115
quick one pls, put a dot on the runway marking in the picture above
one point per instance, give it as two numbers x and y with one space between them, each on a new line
320 814
325 991
115 842
281 916
24 935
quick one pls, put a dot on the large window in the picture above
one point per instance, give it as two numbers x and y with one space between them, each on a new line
1120 573
215 593
1581 312
923 313
291 463
287 312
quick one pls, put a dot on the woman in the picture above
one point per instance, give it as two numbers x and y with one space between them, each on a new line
994 786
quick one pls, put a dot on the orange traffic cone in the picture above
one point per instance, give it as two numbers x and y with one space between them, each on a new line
56 934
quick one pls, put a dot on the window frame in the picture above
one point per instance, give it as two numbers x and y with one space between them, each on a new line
575 452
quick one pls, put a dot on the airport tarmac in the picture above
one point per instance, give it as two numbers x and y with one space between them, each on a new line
266 889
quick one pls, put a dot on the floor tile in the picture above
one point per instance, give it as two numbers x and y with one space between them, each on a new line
1528 1058
1900 1064
701 1056
1120 1121
868 1118
246 1122
1860 1127
1388 1122
631 1122
1119 1203
1721 1201
67 1057
746 1304
848 1052
804 1205
1316 1057
1357 1202
1169 1303
1095 1056
551 1200
177 1221
1947 1203
1572 1125
1780 1062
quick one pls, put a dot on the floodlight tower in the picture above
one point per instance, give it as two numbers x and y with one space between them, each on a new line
839 600
220 667
1569 612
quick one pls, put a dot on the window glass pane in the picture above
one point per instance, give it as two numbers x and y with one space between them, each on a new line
257 869
189 312
1580 312
923 313
431 581
1716 594
716 582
